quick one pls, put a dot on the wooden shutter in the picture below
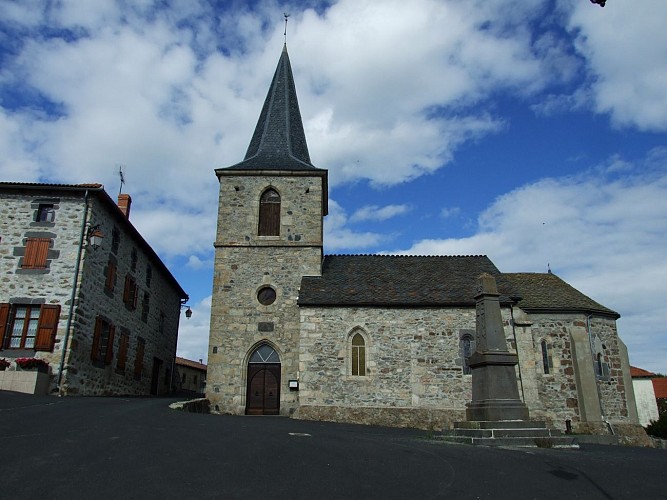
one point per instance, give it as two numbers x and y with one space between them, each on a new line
96 338
269 214
122 350
36 252
111 276
109 354
4 317
47 327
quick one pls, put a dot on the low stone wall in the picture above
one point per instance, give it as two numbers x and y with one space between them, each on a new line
201 405
28 382
417 418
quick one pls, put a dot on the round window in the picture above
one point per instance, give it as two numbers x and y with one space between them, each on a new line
266 296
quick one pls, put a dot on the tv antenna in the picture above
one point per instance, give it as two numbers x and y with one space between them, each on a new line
122 179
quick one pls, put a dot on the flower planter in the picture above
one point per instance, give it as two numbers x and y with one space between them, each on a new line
28 382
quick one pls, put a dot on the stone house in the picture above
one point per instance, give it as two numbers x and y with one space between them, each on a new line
81 289
647 404
379 339
189 376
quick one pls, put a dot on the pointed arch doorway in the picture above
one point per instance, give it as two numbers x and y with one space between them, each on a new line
263 392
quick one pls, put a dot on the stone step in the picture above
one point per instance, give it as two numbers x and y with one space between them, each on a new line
500 433
518 442
501 424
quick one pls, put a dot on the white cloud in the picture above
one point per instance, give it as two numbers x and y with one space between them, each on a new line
626 50
447 212
193 332
373 212
604 232
337 235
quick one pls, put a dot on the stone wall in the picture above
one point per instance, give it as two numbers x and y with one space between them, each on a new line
244 264
413 360
157 323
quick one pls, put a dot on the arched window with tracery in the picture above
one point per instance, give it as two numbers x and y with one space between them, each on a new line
269 213
358 355
466 348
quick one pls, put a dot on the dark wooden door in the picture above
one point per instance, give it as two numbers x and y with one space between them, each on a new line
263 396
155 376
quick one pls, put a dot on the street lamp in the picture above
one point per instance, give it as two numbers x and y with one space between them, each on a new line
94 236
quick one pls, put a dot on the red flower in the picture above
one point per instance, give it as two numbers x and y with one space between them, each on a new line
27 363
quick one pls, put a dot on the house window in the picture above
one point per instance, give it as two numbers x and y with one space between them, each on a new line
102 351
139 358
133 260
149 275
123 345
183 379
269 213
194 380
110 281
130 292
145 307
45 213
115 240
547 362
160 324
467 346
36 253
28 326
358 355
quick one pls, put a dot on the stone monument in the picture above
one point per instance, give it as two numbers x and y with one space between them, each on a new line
495 394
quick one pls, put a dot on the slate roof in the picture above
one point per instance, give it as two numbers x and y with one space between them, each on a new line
547 292
279 141
405 281
434 281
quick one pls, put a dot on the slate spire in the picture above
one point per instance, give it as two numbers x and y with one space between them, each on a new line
279 141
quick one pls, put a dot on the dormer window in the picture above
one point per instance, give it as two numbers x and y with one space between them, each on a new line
269 213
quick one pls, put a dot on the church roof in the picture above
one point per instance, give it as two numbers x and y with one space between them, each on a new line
405 281
279 141
435 281
547 292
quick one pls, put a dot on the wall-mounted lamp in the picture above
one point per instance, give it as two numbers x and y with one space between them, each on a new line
188 311
94 236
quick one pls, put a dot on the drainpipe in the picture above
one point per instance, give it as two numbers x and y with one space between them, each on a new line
523 396
75 285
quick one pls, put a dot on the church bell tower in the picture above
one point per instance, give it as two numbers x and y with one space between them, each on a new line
269 234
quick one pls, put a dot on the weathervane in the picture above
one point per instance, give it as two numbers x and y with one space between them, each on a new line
286 15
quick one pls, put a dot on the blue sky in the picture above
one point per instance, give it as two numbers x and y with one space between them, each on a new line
532 131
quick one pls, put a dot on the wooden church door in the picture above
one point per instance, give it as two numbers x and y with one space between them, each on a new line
263 394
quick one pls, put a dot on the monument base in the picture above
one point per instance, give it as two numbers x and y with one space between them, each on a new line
496 410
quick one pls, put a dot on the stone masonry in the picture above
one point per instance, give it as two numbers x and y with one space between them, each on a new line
154 319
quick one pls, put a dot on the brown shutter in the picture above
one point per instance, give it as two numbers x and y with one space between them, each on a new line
4 316
96 338
111 276
109 354
126 290
36 252
47 327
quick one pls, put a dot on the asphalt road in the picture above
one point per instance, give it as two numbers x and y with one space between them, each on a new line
98 448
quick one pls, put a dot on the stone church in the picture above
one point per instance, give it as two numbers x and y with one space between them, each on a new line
379 339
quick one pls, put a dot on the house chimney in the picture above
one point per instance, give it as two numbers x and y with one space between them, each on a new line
124 203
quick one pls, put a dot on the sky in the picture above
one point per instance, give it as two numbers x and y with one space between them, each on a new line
531 131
